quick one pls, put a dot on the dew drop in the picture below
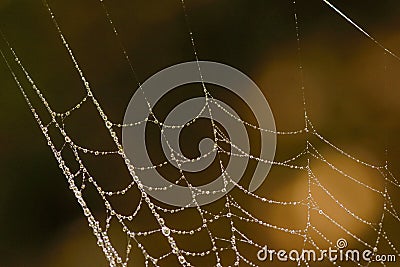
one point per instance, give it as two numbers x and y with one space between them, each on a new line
166 231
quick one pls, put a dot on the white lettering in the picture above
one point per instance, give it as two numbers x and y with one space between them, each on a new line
282 255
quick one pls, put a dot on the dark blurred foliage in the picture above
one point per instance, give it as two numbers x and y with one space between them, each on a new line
351 88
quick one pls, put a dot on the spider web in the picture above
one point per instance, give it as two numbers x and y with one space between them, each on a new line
225 232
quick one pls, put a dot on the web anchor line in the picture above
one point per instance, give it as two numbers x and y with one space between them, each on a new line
359 28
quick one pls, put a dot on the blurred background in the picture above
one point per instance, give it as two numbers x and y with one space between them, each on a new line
351 89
